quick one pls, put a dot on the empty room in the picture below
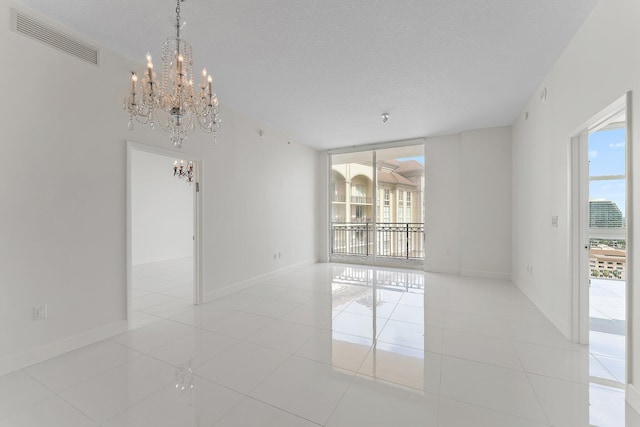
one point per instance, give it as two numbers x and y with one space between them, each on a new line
301 213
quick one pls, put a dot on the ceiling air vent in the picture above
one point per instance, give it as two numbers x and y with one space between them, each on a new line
37 30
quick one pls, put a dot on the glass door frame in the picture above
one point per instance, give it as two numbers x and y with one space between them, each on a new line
579 214
372 259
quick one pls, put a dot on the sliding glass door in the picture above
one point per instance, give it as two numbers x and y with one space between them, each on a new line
352 191
377 213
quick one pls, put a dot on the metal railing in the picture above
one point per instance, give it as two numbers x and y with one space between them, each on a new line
361 200
352 238
357 200
382 279
393 240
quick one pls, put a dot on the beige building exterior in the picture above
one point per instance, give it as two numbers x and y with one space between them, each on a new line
607 262
399 192
395 203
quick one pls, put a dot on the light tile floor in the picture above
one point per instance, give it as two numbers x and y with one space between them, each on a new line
161 289
607 339
326 345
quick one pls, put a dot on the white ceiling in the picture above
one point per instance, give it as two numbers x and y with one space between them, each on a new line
325 71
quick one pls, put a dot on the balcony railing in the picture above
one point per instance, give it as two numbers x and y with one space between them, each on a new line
393 240
357 200
361 200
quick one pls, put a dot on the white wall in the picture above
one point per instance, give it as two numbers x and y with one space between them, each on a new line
468 203
324 206
599 65
62 219
161 210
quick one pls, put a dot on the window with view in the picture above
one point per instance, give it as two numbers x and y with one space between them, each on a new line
370 210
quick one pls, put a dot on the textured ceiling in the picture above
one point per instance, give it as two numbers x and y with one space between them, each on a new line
325 71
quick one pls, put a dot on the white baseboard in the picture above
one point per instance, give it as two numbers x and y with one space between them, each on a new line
485 274
236 287
633 397
431 268
538 301
39 354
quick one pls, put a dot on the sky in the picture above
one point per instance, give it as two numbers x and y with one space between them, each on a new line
419 159
607 157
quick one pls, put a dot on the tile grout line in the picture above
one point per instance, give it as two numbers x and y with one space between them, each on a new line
272 406
352 380
59 396
544 411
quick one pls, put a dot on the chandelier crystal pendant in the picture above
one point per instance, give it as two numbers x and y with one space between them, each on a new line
181 172
173 102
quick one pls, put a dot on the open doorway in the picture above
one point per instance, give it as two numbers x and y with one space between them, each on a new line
376 206
162 230
600 223
608 247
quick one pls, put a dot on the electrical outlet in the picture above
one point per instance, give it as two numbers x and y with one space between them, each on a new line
279 255
40 312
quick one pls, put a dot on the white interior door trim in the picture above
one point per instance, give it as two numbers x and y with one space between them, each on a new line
198 242
579 214
581 235
630 242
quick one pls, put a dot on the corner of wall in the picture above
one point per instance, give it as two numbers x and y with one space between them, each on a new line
537 300
633 397
237 287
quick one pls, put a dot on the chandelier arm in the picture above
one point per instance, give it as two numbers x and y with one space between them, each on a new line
197 114
209 126
207 112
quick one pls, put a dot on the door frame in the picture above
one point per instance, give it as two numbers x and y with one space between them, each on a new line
198 241
373 258
580 236
579 214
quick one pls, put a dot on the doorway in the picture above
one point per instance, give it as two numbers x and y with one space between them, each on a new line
163 244
601 197
608 247
376 206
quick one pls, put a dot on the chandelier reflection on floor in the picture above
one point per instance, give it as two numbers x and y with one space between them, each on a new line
184 379
172 102
182 172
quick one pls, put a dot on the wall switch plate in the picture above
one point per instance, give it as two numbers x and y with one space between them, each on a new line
40 312
554 221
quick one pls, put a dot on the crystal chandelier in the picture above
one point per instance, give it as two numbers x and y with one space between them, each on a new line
183 173
172 102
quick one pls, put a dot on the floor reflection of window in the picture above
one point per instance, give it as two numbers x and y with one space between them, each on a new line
375 329
607 339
